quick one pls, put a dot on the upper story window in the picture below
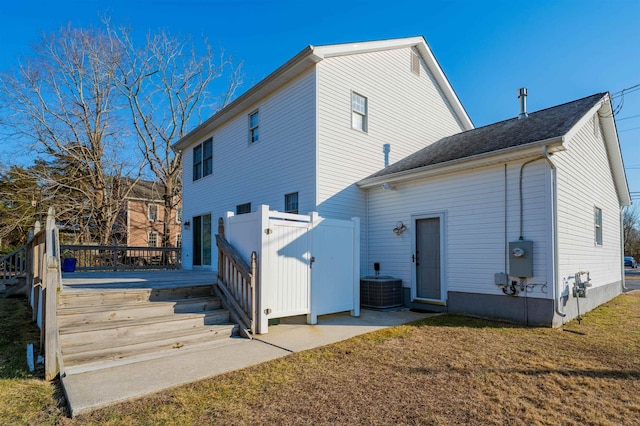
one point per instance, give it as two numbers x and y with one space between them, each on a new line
597 221
291 203
152 212
179 240
243 208
358 112
203 159
254 123
178 214
152 239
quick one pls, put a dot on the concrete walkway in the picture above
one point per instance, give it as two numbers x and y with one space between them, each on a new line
95 389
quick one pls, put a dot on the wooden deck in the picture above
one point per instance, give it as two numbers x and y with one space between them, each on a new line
78 282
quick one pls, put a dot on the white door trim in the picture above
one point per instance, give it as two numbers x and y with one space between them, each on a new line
442 216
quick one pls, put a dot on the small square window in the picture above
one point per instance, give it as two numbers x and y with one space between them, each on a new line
598 226
291 203
152 239
254 123
243 208
358 112
152 213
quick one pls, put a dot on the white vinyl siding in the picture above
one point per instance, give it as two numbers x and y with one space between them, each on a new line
585 183
410 112
473 204
283 162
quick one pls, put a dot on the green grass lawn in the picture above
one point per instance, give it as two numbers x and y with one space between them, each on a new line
446 370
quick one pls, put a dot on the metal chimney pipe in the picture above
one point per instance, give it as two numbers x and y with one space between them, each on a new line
522 95
386 148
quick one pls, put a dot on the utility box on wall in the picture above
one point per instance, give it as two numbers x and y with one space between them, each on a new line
521 259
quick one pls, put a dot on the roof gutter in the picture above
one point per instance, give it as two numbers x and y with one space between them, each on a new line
531 149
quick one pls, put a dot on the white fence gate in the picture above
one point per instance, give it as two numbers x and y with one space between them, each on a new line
307 264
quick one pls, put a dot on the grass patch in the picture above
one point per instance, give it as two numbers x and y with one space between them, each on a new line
444 370
26 399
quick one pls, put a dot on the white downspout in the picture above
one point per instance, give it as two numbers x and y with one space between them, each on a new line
554 220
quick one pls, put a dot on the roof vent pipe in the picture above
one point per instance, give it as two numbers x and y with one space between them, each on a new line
522 95
386 148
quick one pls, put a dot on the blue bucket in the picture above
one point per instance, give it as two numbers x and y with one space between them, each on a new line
69 264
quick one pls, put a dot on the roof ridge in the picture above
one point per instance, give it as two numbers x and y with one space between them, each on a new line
600 95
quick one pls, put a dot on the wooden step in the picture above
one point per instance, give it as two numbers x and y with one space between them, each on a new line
81 298
93 357
118 329
76 316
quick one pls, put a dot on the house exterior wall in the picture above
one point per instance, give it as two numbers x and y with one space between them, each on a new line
281 162
584 181
405 110
139 225
473 207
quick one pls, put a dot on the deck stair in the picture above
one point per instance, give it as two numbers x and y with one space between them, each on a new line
106 328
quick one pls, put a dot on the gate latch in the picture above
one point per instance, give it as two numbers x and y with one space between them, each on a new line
313 259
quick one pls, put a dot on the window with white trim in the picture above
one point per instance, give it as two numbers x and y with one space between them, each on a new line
597 221
291 203
178 214
254 124
152 212
203 159
152 239
179 240
243 208
358 112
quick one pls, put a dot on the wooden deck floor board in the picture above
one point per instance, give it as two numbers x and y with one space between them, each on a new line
88 281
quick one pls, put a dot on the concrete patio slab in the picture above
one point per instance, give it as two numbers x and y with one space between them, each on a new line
91 390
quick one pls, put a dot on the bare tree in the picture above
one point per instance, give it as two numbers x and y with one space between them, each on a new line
167 83
64 103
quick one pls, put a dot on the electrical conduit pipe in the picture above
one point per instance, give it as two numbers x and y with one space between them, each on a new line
554 212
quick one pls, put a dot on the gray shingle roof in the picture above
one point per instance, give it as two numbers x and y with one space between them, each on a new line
544 124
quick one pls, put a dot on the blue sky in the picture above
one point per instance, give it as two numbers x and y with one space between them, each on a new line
560 50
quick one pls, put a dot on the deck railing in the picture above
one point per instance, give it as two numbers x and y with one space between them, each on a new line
14 264
43 280
121 258
237 283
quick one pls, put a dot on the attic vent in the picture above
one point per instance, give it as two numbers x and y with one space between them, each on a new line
415 63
